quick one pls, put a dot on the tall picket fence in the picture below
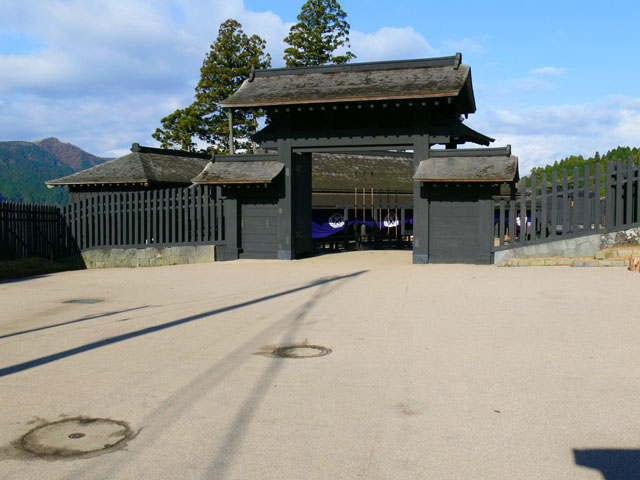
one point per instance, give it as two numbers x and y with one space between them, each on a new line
174 216
600 199
28 230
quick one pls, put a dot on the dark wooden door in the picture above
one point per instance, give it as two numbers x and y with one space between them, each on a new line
259 227
453 228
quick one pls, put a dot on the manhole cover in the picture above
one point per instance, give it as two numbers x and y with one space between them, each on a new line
76 436
301 351
84 300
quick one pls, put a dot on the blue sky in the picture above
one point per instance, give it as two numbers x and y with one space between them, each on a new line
550 78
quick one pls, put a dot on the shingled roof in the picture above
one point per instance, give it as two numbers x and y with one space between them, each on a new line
471 165
240 171
342 172
144 165
395 80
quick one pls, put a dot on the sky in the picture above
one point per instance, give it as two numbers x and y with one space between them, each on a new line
551 79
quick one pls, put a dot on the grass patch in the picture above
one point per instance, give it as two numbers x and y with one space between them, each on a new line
29 267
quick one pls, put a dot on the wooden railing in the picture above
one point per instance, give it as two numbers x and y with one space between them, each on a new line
543 209
175 216
29 230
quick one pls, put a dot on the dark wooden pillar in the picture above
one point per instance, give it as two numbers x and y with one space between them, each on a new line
285 216
301 204
420 204
231 221
485 216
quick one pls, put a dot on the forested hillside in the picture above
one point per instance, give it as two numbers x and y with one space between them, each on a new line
579 161
25 166
71 155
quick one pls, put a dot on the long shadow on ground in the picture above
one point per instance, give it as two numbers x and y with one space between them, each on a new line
232 441
120 338
83 319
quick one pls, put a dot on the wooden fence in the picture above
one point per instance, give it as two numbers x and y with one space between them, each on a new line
28 230
174 216
542 210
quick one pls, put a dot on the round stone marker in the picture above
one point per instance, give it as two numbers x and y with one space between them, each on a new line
76 436
301 351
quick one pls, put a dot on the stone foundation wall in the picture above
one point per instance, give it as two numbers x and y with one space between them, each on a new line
148 257
586 246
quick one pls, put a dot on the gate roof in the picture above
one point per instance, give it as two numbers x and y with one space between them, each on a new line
428 78
469 165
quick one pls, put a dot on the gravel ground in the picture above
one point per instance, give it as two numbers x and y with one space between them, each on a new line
435 371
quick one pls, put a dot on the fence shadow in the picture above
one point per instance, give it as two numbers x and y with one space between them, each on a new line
614 464
83 319
120 338
21 269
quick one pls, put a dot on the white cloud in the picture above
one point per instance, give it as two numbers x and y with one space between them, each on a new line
549 71
467 46
542 135
102 73
390 43
105 72
100 127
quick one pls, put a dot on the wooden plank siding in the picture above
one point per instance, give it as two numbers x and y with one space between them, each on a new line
175 216
28 230
598 200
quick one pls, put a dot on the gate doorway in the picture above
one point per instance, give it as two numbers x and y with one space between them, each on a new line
361 200
351 227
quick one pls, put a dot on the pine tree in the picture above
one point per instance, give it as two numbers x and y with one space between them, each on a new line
320 31
225 67
179 128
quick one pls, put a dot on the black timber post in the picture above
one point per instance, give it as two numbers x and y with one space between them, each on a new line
231 207
420 204
301 204
485 218
286 249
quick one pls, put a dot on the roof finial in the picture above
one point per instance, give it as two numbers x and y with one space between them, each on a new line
252 73
458 61
135 147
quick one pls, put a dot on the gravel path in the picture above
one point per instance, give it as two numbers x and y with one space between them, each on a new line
435 371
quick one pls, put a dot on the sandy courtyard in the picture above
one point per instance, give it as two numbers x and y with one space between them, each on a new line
435 371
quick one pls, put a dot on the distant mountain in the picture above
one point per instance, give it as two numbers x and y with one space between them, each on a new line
73 156
25 166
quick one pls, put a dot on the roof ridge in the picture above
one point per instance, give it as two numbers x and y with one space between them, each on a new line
454 61
137 148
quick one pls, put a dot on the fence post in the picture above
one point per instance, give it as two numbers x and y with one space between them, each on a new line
628 193
637 172
587 200
501 223
619 194
522 236
565 202
543 206
554 203
575 220
533 205
596 196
